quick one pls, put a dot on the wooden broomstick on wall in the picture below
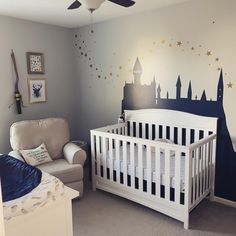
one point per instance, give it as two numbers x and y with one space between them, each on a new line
17 93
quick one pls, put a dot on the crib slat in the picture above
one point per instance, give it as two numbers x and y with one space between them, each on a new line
111 158
149 173
179 131
98 151
188 180
167 154
207 166
172 132
164 131
204 168
188 136
131 127
143 130
104 157
149 131
210 164
156 131
177 176
137 129
125 162
140 166
197 173
196 135
158 171
132 164
126 130
117 147
200 170
213 159
194 175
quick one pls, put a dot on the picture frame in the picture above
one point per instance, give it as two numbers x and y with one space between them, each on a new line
37 90
35 63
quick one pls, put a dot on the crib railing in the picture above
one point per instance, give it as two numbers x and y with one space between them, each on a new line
126 144
180 135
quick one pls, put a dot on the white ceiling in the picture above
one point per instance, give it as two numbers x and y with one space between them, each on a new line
55 11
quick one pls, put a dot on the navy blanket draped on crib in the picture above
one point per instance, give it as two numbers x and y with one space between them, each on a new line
17 178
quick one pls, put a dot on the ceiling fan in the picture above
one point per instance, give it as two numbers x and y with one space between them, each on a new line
92 5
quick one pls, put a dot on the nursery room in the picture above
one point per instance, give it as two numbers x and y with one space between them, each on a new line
117 118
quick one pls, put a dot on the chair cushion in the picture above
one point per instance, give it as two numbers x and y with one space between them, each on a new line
54 132
63 170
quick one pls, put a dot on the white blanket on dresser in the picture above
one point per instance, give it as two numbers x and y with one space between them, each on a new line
48 190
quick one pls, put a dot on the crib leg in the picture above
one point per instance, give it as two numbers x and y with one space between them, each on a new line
186 222
94 183
212 195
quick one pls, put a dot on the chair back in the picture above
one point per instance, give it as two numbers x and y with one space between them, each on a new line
29 134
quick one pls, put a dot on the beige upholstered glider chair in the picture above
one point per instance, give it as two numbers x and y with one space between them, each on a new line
68 158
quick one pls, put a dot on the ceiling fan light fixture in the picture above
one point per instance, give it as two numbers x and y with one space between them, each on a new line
93 5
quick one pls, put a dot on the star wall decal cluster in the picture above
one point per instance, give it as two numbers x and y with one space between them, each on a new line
115 72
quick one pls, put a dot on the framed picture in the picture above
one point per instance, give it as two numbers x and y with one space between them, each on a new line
37 90
35 63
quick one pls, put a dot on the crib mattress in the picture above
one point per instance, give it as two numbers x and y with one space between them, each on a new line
48 190
162 165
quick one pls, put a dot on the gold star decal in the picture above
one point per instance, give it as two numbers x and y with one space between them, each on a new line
208 53
230 85
179 43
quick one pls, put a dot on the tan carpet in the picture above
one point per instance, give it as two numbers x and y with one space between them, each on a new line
104 214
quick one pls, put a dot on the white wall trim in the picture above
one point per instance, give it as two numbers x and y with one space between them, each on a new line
225 201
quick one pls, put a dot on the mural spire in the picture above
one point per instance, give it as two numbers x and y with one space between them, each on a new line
178 88
159 92
203 98
190 91
137 72
220 88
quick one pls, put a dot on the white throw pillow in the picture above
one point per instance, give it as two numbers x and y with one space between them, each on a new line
36 156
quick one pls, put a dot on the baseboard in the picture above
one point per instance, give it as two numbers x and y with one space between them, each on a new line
225 201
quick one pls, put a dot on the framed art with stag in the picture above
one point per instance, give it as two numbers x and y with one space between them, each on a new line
35 63
37 90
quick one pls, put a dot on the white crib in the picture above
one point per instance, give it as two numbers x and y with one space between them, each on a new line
171 178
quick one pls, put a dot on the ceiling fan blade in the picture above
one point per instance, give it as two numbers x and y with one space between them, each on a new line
123 3
76 4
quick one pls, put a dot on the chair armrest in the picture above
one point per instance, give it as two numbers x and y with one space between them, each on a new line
74 154
16 155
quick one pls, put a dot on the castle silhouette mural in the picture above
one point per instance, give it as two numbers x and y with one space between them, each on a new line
138 96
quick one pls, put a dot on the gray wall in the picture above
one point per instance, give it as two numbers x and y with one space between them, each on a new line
55 43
